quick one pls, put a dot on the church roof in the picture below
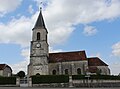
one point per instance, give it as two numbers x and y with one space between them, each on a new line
67 56
93 69
40 21
3 66
95 61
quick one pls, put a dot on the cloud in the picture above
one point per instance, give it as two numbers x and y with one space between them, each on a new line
17 31
59 35
30 9
115 67
42 3
22 65
52 50
116 49
89 30
95 55
82 11
60 18
7 6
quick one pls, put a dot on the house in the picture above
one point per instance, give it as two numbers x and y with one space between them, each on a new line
5 70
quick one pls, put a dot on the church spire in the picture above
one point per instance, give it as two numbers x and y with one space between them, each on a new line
40 21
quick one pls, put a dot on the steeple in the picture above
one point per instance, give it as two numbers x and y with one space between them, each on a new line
40 21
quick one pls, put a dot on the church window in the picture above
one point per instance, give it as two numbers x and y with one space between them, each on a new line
38 36
54 72
66 71
78 71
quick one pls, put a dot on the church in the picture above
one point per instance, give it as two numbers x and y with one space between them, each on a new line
71 63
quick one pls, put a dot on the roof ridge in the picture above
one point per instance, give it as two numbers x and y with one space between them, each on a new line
68 52
93 57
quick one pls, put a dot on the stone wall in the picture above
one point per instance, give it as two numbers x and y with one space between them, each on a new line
51 85
96 83
72 67
104 70
82 83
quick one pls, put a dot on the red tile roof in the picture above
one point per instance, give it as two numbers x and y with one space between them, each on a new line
67 56
3 66
93 69
95 61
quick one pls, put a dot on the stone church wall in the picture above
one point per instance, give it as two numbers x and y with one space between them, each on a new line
104 70
72 67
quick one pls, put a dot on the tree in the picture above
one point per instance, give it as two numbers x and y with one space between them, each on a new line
21 74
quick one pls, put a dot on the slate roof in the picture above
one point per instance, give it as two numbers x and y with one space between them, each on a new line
67 56
3 66
40 21
95 61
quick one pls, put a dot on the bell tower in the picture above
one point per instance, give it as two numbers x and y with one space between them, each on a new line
39 49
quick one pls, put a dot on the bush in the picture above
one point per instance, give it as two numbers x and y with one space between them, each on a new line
105 77
7 80
50 79
100 77
78 77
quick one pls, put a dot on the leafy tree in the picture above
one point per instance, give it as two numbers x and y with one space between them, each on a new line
21 74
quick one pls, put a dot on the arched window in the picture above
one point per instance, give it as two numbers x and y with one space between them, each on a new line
54 72
78 71
37 74
66 71
38 36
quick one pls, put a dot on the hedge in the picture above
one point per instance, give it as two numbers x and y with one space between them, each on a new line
38 79
78 77
50 79
100 77
105 77
7 80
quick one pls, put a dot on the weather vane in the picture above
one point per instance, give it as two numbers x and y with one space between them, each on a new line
41 3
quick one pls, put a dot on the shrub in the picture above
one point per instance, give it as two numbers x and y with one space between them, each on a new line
100 77
50 79
78 77
105 77
7 80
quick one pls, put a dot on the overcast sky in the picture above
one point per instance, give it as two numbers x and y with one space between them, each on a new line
73 25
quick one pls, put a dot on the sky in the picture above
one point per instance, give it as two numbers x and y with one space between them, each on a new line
73 25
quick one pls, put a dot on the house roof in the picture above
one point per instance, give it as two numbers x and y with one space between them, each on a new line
67 56
3 66
95 61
